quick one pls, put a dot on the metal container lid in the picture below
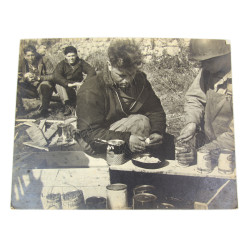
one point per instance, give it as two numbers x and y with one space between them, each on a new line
116 187
144 189
227 151
145 186
145 197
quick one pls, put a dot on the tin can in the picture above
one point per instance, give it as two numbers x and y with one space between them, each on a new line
96 202
180 148
204 163
115 152
144 201
117 196
73 200
53 201
226 162
64 132
215 153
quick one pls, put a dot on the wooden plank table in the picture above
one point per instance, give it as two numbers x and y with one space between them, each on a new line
171 167
37 174
205 190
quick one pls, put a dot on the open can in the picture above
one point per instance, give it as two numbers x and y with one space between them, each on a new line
96 202
64 132
226 162
115 152
204 163
181 148
117 196
144 201
73 200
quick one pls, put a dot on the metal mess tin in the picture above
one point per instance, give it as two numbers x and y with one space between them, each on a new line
137 160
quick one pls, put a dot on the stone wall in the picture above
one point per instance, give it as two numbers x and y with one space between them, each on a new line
151 47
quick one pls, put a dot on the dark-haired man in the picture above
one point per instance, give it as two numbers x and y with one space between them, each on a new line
119 103
69 74
33 81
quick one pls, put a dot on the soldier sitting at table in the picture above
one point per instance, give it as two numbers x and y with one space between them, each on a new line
209 104
119 103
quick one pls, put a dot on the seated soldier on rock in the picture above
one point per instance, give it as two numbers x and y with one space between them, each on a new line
119 103
33 82
68 74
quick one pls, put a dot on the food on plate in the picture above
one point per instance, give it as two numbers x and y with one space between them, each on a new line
147 159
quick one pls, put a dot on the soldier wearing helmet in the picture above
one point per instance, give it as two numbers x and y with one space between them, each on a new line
208 103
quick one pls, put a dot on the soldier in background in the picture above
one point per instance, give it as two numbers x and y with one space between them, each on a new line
68 74
33 82
209 105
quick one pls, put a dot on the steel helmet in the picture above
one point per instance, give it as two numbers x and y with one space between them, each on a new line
203 49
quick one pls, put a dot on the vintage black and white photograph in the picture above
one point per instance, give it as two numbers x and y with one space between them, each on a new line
124 123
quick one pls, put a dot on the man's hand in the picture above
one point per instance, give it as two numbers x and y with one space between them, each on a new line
75 84
29 77
210 146
187 132
137 143
154 139
187 157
